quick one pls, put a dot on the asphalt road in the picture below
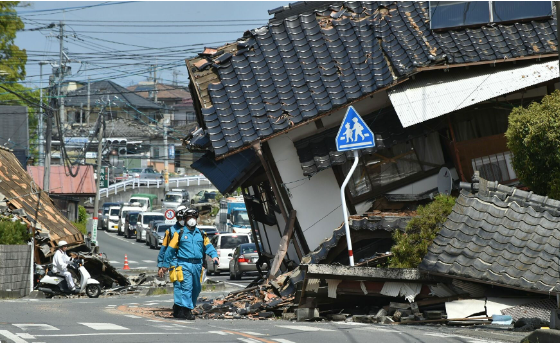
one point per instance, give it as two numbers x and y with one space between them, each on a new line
103 320
143 259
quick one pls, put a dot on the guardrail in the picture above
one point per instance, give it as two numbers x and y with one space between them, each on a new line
137 183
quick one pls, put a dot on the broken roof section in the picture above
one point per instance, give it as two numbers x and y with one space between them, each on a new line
19 191
314 61
428 97
502 236
61 182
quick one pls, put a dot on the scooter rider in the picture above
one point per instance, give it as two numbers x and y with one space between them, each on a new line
60 263
189 247
180 224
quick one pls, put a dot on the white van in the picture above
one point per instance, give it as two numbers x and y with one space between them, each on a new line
134 207
113 222
143 223
225 244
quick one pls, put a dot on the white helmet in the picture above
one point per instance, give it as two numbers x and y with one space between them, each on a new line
62 243
181 208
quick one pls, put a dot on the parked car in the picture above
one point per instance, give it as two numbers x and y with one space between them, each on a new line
113 220
118 174
155 236
224 244
143 222
151 228
103 216
243 260
175 198
211 231
130 222
145 174
204 195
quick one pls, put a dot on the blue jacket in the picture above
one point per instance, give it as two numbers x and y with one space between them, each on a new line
166 239
194 244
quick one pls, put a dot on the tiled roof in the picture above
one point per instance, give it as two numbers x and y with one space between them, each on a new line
373 223
319 152
500 235
63 183
312 62
20 192
164 92
101 89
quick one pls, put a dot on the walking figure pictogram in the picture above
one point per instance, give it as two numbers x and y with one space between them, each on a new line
358 128
348 133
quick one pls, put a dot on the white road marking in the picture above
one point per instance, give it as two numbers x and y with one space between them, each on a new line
303 328
248 340
350 323
150 304
252 333
220 333
468 339
111 305
131 316
281 340
25 335
155 321
235 284
12 337
26 327
129 261
148 261
140 267
115 262
104 326
110 334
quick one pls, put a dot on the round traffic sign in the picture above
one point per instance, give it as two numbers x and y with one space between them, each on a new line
169 214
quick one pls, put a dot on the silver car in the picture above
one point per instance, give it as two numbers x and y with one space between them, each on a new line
243 260
145 174
144 220
155 236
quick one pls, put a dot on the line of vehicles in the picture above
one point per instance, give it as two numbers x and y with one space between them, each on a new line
137 219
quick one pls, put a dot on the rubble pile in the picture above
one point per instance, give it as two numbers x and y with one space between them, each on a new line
257 303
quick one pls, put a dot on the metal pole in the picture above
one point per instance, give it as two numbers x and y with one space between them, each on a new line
99 160
47 169
41 137
88 102
61 74
166 156
345 211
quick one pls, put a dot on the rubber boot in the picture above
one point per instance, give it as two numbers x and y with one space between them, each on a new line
181 313
176 310
188 314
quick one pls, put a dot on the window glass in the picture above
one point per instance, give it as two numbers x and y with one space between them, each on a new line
115 212
248 249
173 198
449 14
515 10
150 218
162 228
133 218
231 242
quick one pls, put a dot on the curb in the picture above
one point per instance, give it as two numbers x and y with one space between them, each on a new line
542 336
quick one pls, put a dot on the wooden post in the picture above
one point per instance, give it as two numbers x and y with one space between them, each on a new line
283 248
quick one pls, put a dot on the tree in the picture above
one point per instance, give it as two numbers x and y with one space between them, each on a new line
533 136
13 232
12 58
412 245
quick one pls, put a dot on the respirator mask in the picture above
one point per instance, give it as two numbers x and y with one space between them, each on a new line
191 222
182 222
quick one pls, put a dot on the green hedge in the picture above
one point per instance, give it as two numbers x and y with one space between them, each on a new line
13 233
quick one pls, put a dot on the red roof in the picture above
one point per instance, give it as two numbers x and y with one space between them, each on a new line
62 182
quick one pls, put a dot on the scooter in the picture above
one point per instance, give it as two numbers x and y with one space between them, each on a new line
53 284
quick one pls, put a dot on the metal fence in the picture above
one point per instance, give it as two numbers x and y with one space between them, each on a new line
141 183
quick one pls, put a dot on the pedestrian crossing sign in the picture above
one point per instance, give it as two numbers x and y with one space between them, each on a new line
354 133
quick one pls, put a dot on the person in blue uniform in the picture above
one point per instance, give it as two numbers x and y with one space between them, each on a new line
188 247
180 224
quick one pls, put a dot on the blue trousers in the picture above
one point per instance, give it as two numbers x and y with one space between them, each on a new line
186 292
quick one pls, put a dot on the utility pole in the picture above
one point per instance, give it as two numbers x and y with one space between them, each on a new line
166 156
41 135
155 83
99 161
88 102
61 70
47 172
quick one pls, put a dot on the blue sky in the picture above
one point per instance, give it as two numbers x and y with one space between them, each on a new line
120 40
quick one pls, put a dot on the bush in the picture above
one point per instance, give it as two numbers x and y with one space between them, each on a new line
412 245
81 227
533 136
13 233
82 214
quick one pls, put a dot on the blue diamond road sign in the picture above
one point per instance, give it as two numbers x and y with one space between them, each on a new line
354 133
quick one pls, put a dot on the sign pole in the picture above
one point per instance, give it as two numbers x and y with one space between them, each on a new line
354 134
345 210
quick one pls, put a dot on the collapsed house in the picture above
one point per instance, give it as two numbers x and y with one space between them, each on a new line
434 94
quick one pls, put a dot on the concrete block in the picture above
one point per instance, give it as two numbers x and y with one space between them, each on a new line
288 316
542 336
555 319
303 314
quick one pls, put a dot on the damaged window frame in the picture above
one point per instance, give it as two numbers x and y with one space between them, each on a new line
425 169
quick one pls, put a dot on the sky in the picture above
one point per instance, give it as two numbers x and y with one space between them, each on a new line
121 40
